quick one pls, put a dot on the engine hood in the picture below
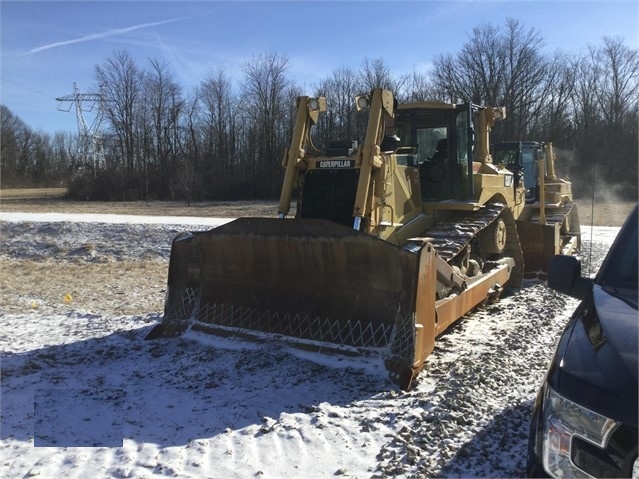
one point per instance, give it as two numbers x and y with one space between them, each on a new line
596 361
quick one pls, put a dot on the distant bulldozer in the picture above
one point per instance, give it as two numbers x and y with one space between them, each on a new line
549 223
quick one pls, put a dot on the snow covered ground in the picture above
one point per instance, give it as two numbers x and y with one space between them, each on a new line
84 395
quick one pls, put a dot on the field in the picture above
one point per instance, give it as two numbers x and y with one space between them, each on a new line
31 193
116 281
603 213
44 201
83 394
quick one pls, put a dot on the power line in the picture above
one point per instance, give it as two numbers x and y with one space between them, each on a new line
90 146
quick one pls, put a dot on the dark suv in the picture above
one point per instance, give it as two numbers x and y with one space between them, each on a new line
584 422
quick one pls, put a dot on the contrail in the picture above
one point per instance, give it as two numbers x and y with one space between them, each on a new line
96 36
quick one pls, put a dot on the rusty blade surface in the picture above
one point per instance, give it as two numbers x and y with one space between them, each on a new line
312 279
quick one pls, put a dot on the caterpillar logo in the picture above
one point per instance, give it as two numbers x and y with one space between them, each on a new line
336 164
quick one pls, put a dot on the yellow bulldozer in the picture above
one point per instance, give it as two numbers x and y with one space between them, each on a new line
549 221
393 240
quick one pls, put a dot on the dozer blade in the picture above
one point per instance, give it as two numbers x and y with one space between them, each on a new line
540 242
314 280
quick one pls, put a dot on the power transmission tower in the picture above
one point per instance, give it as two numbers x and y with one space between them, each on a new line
90 146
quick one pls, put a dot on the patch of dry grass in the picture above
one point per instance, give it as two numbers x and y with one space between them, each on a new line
603 214
117 287
26 193
212 209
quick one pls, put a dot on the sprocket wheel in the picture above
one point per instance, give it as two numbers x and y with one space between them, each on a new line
493 239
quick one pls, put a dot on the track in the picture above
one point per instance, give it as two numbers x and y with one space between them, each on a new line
453 234
556 214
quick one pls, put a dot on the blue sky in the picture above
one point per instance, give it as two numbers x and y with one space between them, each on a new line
45 46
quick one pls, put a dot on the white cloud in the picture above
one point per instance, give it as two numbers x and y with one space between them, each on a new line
97 36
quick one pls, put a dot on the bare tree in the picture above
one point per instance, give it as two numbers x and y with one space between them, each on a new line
121 80
219 117
617 70
617 66
194 134
214 142
497 67
264 101
340 121
584 102
186 180
416 87
525 72
29 158
550 118
164 104
11 128
64 148
376 74
604 113
476 73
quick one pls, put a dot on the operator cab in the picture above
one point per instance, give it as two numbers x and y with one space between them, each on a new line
521 157
439 133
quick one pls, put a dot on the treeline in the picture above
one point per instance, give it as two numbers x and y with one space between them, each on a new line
225 139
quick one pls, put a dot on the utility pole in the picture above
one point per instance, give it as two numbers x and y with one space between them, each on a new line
90 146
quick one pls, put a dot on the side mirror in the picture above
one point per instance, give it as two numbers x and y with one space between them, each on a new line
564 275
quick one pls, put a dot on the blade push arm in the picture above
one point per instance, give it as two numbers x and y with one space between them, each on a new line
308 111
369 157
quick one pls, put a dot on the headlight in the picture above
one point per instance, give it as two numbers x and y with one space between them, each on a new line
563 420
508 181
362 102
